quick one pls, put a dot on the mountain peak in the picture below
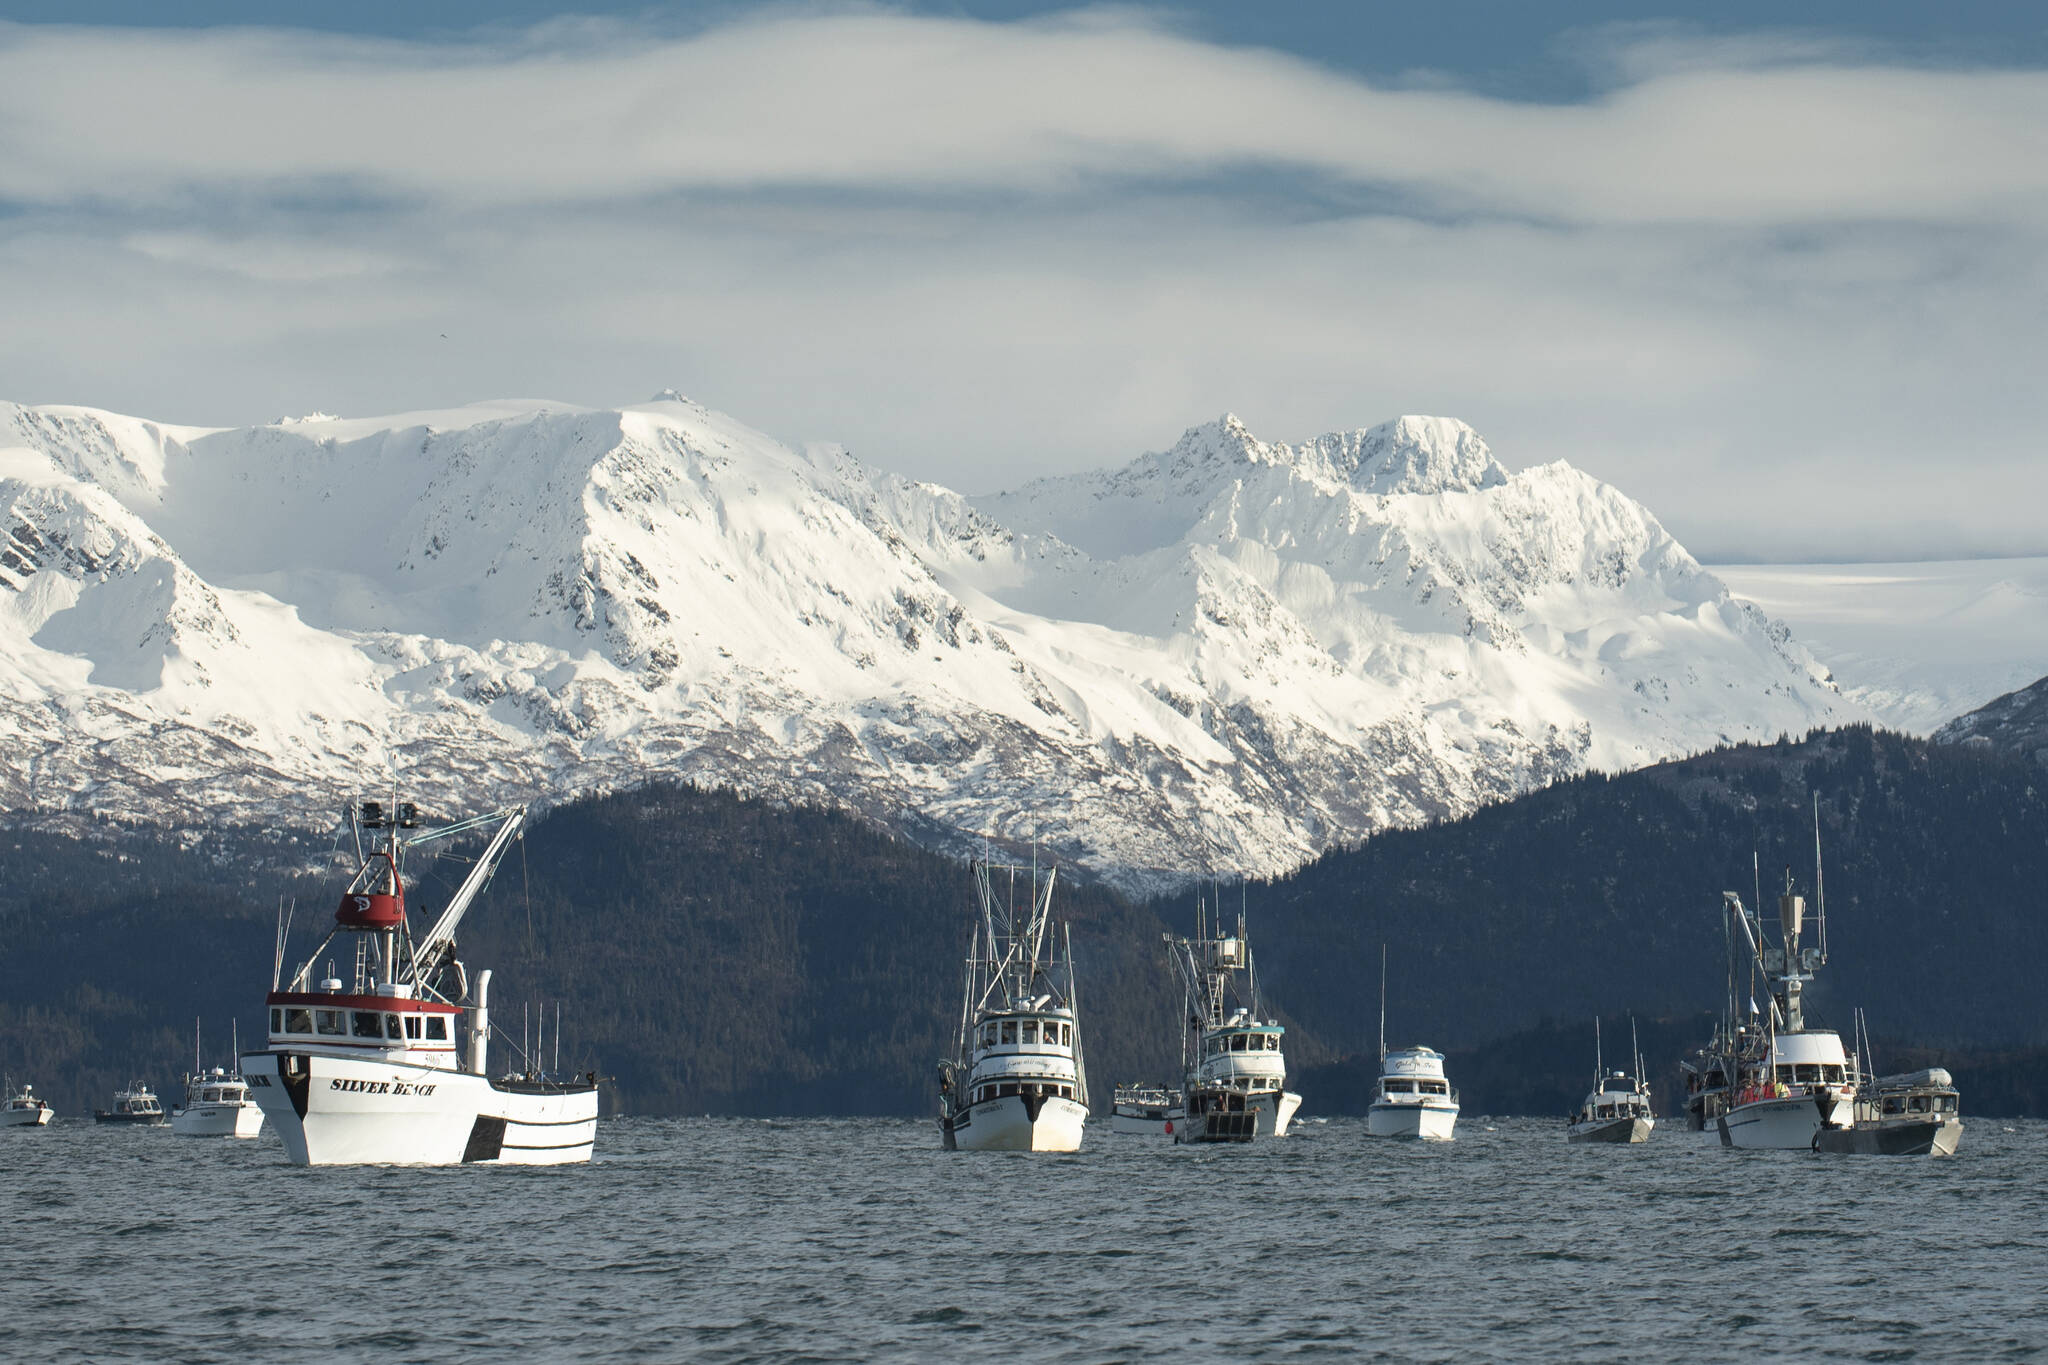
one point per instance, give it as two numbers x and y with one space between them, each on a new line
1412 454
1226 439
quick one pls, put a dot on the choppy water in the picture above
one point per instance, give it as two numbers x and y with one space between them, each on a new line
732 1240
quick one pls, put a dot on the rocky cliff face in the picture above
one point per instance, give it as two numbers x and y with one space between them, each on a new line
1221 658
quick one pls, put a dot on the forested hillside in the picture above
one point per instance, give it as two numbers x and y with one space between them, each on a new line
724 955
1604 894
713 954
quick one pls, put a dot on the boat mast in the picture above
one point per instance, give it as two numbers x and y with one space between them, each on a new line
1383 1007
1820 889
1599 1062
442 934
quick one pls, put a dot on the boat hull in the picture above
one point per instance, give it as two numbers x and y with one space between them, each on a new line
1428 1122
1910 1137
1611 1130
1140 1125
131 1120
1017 1123
25 1118
347 1111
1773 1125
219 1120
1265 1114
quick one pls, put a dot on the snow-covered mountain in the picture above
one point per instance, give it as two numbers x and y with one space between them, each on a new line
1219 658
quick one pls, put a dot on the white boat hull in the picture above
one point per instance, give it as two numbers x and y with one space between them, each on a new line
1430 1122
218 1120
1786 1125
1140 1126
1005 1124
340 1111
25 1118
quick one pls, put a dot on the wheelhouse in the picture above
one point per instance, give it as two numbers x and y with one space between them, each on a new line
329 1019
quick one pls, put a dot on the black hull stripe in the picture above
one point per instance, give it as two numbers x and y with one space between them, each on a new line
548 1123
557 1147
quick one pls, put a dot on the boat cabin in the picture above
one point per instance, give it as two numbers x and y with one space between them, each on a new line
328 1019
1263 1039
1026 1031
1027 1051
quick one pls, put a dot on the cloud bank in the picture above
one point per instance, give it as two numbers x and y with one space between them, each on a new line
1787 294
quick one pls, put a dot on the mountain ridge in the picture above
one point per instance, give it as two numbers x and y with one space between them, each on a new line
1301 645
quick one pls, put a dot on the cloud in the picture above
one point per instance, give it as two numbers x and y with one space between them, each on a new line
1783 290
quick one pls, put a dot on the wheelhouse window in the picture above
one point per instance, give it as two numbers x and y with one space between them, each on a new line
276 1020
1009 1030
437 1029
1029 1029
298 1021
1237 1042
412 1026
329 1021
392 1029
1807 1073
1400 1087
1272 1042
368 1024
988 1035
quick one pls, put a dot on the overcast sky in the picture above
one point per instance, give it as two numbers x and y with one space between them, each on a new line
1786 287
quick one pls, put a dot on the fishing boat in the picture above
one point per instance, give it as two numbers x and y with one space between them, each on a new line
1231 1054
137 1105
1414 1098
391 1064
23 1109
1146 1110
1017 1081
1917 1113
217 1102
1617 1109
1785 1081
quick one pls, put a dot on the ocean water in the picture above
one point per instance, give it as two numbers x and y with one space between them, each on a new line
742 1240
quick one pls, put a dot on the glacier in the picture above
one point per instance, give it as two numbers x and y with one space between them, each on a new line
1220 659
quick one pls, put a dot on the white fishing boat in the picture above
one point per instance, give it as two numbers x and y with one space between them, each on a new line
1236 1069
391 1066
1617 1109
24 1109
1146 1110
137 1105
217 1102
1414 1098
1786 1081
1017 1081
